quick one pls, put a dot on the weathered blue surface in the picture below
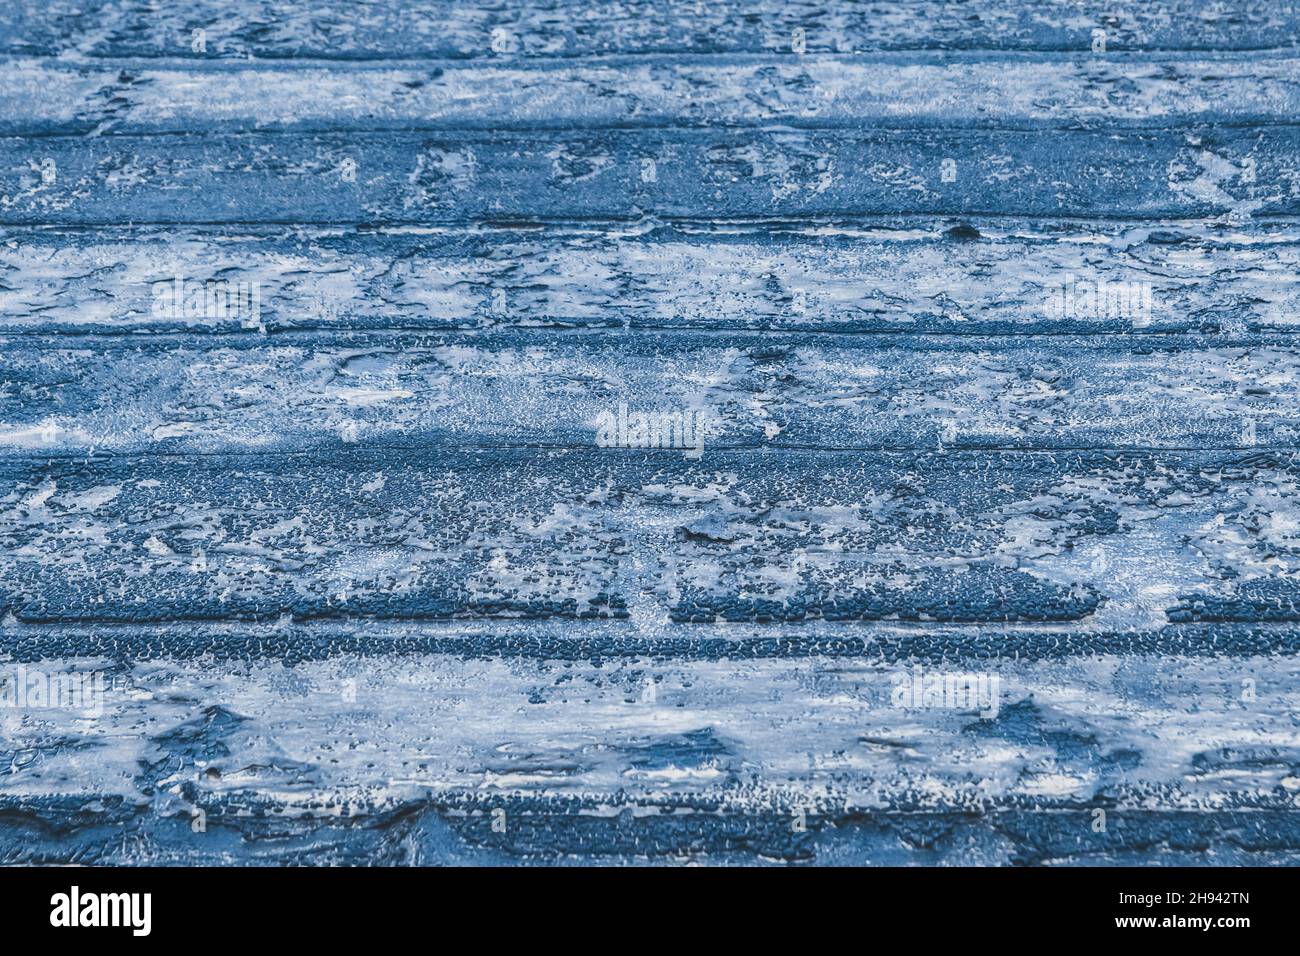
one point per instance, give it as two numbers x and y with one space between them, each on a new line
374 568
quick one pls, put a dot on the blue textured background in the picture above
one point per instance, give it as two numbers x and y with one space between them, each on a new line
365 589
